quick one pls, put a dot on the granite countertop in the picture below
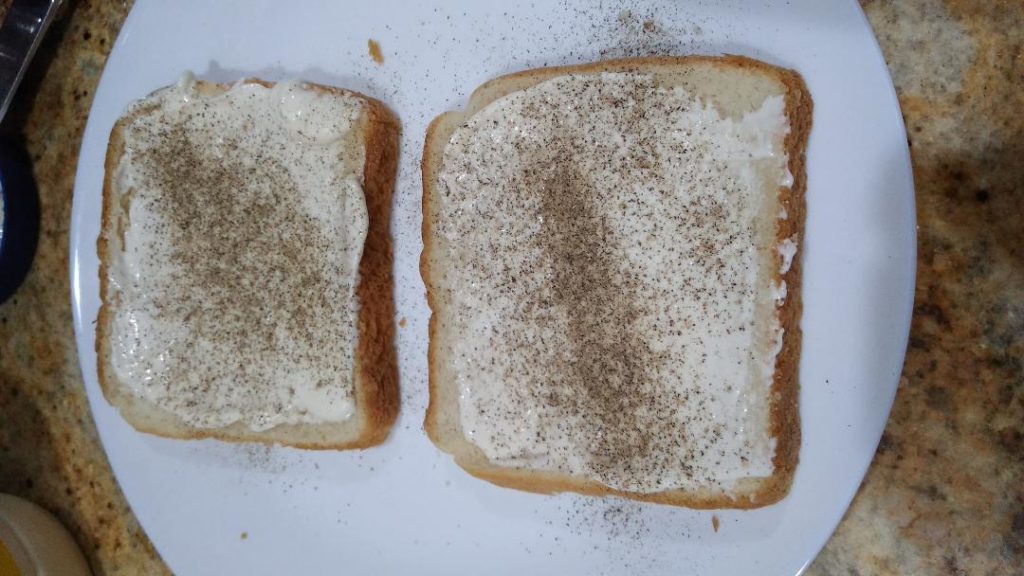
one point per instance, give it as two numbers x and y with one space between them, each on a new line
945 493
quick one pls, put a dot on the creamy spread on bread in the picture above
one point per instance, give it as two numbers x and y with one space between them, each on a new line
241 227
609 282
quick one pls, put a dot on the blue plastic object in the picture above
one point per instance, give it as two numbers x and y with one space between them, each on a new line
19 216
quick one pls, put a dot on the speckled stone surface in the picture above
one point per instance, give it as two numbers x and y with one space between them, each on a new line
49 450
945 494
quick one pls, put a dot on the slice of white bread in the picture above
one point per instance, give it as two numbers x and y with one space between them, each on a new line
245 274
511 317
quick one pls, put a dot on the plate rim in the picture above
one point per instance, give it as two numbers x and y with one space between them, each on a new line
85 335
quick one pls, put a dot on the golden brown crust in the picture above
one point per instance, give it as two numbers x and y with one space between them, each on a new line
114 150
376 387
430 424
378 396
784 400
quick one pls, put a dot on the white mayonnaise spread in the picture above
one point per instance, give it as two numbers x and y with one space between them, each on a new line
606 279
242 228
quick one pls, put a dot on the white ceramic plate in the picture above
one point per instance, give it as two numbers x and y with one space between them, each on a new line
403 508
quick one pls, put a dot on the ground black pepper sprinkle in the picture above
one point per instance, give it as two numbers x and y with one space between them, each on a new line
557 204
608 360
258 282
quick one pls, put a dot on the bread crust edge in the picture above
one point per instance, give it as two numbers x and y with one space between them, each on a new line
784 411
376 385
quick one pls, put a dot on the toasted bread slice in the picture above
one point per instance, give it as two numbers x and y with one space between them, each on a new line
551 336
240 300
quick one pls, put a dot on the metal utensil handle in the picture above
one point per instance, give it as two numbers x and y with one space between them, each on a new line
20 34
